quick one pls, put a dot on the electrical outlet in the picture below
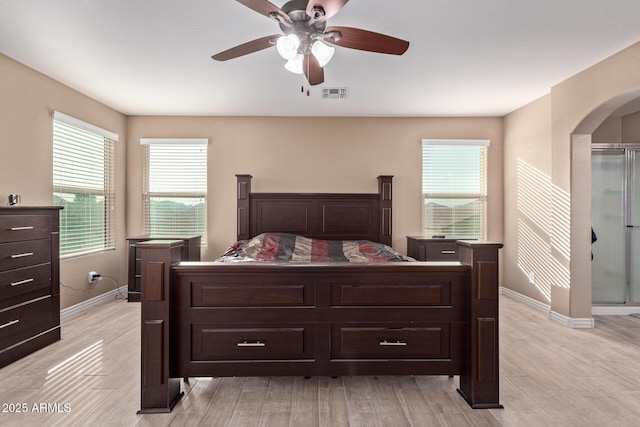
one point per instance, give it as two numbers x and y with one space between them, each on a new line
532 278
92 277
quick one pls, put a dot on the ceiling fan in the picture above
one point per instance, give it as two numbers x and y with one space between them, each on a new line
304 24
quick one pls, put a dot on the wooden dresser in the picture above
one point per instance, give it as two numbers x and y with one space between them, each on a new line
29 280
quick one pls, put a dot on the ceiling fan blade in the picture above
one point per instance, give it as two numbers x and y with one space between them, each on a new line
265 8
355 38
331 7
313 70
247 48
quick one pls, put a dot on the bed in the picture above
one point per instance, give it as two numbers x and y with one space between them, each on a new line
314 317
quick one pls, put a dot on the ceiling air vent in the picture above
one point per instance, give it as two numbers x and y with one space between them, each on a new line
334 93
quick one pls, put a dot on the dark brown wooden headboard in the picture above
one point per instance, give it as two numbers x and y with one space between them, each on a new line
331 216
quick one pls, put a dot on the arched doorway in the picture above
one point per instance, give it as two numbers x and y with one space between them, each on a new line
581 190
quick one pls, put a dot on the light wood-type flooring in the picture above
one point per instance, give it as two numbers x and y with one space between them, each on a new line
550 376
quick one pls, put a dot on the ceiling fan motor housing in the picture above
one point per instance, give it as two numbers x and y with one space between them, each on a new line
308 29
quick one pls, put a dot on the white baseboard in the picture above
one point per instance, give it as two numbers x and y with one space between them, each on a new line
76 309
571 322
525 299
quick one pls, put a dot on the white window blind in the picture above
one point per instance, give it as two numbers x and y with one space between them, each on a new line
83 174
454 188
175 187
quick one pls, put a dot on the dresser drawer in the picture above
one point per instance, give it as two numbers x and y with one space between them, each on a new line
22 284
26 320
24 254
212 342
380 342
14 228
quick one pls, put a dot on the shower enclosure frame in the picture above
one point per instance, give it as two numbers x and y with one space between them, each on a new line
629 150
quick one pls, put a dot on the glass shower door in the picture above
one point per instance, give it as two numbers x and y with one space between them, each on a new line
608 216
633 226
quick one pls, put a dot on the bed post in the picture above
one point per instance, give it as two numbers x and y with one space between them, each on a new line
158 392
244 205
480 385
385 191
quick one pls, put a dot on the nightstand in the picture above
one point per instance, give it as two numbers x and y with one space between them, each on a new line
190 252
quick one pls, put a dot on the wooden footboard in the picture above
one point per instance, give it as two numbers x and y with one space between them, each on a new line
219 319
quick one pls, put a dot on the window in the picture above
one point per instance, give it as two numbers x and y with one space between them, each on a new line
175 187
454 188
83 175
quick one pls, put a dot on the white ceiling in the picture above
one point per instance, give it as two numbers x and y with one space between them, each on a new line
466 58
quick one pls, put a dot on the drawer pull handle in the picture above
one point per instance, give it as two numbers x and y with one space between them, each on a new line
397 343
448 252
21 282
13 322
251 344
21 255
22 228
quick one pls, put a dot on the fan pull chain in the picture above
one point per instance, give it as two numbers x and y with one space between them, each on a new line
302 85
308 73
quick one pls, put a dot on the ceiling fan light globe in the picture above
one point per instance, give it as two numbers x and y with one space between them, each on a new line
287 46
322 52
295 64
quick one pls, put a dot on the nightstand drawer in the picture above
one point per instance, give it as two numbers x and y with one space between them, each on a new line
429 249
24 254
14 228
442 251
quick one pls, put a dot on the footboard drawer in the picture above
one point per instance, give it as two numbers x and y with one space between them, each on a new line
435 293
380 342
212 342
265 293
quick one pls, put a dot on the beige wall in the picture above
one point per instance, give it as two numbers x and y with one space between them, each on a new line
313 155
618 129
527 196
27 99
631 128
609 131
